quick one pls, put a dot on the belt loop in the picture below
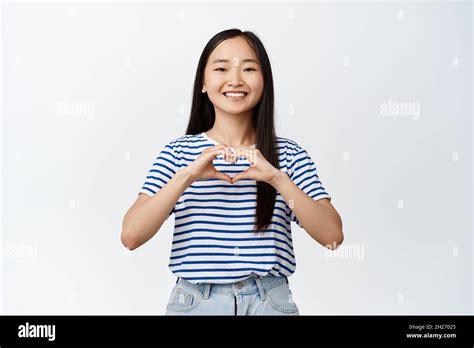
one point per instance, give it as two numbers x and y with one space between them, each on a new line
260 287
286 278
177 280
207 290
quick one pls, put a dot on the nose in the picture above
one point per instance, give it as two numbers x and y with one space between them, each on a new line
235 78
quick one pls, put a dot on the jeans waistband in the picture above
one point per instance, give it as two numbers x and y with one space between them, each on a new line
254 283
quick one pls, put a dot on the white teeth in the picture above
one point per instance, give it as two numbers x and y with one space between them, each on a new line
229 94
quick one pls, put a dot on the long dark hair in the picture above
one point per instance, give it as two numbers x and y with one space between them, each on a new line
203 116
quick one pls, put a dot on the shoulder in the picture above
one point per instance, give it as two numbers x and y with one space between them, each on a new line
185 142
289 147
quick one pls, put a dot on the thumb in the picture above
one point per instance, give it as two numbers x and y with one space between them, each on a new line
241 175
223 176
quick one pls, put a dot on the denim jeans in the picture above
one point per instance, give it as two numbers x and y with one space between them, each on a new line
256 295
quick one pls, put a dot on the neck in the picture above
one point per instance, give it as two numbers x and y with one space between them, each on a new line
233 130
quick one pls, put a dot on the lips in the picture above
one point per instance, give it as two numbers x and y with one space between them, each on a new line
235 95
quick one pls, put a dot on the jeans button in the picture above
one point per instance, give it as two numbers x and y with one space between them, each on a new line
238 285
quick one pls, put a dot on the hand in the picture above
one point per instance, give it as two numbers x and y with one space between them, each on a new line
202 167
260 169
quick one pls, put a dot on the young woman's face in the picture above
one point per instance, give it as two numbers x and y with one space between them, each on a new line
233 67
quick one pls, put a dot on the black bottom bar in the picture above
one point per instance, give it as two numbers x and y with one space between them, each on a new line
222 330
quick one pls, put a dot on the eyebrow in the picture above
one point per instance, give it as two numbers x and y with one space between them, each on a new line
251 60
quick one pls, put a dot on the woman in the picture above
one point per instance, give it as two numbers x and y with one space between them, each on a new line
234 187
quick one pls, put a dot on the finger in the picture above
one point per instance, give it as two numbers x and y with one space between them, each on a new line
232 157
253 158
244 152
216 151
223 176
242 175
239 152
250 155
228 154
213 149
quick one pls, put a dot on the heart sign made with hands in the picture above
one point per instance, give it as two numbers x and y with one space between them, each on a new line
260 169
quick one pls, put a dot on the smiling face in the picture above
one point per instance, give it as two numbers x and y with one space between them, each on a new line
233 78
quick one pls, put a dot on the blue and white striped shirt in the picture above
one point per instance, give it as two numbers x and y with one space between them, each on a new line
213 239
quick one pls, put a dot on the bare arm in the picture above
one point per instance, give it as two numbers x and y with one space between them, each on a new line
147 214
319 218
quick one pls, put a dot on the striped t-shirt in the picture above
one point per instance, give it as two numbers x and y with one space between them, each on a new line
213 239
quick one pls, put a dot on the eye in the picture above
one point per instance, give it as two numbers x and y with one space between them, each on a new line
219 69
250 69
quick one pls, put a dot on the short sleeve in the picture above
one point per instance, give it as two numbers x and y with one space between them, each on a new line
302 171
161 171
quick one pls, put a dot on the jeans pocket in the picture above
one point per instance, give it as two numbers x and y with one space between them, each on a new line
281 299
184 299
